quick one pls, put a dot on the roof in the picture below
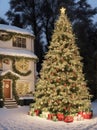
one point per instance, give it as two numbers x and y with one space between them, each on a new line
9 71
14 52
14 29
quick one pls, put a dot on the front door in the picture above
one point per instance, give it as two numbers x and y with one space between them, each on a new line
7 88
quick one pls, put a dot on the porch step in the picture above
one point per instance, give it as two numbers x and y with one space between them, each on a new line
10 103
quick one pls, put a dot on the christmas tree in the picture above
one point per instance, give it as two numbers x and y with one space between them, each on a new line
62 86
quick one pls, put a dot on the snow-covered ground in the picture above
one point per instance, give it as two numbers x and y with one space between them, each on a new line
18 119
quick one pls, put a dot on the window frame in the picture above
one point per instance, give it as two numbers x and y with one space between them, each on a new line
19 42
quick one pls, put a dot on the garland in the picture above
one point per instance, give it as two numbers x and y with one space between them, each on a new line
14 91
9 35
13 58
17 71
20 73
11 76
1 89
5 37
14 78
13 65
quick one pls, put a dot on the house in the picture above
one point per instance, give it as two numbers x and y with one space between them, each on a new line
17 62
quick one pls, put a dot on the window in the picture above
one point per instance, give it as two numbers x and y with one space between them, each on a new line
19 42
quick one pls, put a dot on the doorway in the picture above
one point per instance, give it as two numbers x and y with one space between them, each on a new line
7 88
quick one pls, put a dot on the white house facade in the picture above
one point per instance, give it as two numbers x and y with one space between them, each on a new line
17 62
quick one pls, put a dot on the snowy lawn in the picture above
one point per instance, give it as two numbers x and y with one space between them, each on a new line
17 119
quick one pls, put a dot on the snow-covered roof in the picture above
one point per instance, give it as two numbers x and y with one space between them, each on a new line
14 29
14 52
7 71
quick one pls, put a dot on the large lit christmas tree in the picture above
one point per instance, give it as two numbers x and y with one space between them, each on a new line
61 87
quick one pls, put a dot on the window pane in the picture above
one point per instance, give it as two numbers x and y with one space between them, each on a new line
19 42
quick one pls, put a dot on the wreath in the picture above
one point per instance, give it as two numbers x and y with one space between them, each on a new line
5 37
19 72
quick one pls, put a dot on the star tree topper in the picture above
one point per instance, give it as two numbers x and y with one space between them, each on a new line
62 10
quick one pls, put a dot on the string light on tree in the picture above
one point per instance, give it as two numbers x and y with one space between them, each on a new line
61 87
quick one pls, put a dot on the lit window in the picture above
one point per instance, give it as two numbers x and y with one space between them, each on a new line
19 42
